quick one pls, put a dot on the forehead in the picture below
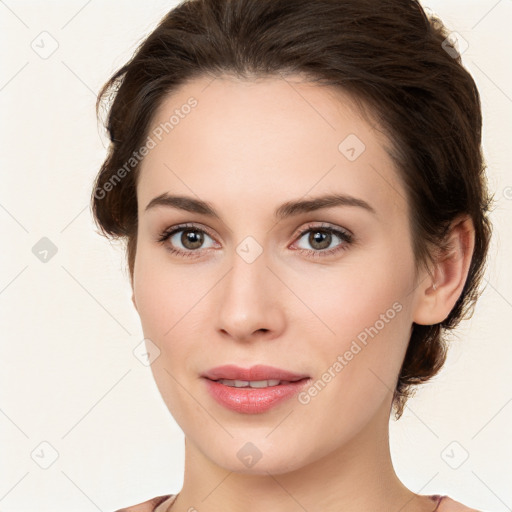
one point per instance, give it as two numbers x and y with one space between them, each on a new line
227 139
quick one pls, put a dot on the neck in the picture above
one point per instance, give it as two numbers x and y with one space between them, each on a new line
356 476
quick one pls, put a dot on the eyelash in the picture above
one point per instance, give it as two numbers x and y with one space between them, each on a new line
345 237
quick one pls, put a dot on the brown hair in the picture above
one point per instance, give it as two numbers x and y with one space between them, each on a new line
387 54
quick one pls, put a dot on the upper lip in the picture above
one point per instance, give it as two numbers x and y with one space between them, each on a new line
258 372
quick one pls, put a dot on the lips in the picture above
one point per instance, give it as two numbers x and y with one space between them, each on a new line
255 373
254 390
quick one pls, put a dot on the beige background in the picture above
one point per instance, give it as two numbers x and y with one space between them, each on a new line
69 378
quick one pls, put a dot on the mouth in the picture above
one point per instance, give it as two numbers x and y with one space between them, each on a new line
254 390
256 376
255 383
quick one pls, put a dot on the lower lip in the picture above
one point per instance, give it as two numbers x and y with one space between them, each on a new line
253 400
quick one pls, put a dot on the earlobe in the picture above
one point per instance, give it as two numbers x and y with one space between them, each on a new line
440 290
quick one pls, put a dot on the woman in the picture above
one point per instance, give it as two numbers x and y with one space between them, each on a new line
302 192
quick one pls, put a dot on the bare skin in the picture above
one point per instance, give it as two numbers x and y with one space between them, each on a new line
246 148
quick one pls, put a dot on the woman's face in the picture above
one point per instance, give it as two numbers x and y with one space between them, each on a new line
251 287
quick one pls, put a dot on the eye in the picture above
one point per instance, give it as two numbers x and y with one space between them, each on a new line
189 236
323 240
188 240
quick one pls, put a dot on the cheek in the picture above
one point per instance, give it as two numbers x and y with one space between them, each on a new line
167 301
358 363
157 294
171 299
361 313
348 298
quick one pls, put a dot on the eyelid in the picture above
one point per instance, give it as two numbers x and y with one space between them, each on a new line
322 226
346 237
168 232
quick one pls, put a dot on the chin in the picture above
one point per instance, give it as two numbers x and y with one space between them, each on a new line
258 456
275 466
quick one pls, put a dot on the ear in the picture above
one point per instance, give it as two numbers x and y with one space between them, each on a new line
438 292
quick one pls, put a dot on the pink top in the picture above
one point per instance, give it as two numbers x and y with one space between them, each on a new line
162 504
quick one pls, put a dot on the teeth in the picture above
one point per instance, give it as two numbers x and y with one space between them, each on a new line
252 383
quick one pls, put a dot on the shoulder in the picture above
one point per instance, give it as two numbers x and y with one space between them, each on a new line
146 506
448 504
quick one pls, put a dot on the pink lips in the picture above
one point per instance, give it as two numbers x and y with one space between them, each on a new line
252 400
258 372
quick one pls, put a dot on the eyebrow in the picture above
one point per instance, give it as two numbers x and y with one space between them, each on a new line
288 209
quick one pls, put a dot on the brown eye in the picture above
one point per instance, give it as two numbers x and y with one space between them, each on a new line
319 239
185 240
192 238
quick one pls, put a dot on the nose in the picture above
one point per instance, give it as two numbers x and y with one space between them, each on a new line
250 301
